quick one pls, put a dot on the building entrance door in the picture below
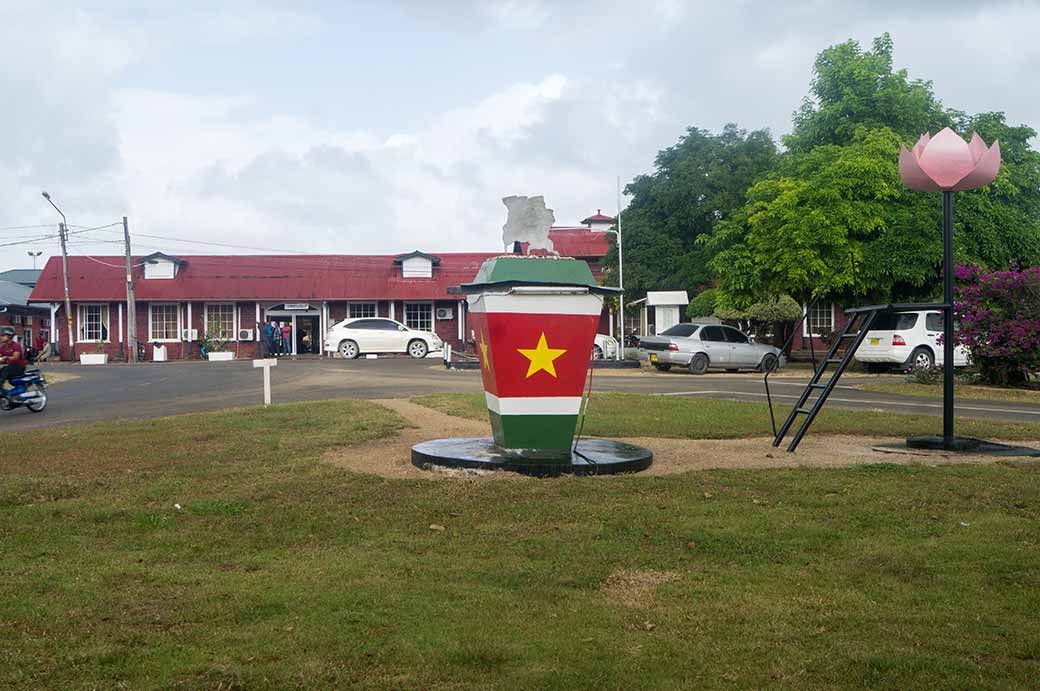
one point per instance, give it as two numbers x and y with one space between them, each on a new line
299 316
307 335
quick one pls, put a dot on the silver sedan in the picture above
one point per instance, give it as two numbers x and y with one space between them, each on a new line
701 347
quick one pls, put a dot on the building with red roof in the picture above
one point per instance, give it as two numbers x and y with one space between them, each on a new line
180 299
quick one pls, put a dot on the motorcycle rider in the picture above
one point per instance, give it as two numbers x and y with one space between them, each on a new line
12 358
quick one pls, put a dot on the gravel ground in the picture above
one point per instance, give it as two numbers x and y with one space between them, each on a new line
391 458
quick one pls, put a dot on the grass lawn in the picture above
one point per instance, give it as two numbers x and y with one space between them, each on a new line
281 571
985 393
635 415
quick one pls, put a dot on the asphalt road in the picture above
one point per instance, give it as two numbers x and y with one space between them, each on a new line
116 392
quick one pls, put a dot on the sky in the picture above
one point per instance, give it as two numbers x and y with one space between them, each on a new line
385 126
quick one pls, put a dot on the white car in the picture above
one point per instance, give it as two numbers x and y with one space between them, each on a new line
353 337
604 348
907 339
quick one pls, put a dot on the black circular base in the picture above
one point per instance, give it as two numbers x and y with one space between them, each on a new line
591 457
969 445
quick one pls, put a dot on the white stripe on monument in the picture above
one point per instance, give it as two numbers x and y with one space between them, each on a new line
583 305
538 405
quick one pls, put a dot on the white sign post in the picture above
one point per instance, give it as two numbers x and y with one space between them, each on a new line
266 365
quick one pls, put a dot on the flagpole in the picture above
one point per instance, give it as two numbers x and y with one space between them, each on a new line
621 278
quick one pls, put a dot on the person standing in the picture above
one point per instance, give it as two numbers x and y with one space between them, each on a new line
269 337
286 338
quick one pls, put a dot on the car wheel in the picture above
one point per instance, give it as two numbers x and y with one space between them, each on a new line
417 349
921 357
349 349
768 363
597 353
699 364
662 367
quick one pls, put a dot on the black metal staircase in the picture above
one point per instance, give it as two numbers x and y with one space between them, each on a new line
827 373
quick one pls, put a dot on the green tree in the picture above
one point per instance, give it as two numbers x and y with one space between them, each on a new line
835 200
702 304
853 88
695 184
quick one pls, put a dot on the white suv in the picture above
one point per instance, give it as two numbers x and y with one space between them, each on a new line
907 339
353 337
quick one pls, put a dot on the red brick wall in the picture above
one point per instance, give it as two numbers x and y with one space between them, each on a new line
801 345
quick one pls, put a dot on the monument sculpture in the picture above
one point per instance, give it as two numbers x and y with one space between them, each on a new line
534 320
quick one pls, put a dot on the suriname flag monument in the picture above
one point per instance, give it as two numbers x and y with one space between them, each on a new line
534 320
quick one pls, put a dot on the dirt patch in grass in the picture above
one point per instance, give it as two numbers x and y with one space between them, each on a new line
391 458
635 587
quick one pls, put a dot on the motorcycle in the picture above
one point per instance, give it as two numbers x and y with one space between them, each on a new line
30 390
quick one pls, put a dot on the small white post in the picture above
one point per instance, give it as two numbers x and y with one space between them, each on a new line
447 354
266 365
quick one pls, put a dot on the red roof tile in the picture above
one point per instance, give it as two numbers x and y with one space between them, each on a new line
275 277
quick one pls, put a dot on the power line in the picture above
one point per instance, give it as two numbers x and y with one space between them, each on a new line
48 225
26 242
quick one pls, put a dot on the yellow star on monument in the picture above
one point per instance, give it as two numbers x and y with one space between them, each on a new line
483 352
541 357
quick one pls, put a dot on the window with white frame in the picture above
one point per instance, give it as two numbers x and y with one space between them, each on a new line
418 316
819 320
45 322
163 322
361 310
93 322
27 337
45 334
28 320
220 321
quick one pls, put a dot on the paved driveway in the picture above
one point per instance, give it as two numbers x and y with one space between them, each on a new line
154 389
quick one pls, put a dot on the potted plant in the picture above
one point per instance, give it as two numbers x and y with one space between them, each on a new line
99 357
215 349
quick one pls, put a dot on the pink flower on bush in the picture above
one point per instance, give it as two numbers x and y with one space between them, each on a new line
999 313
947 163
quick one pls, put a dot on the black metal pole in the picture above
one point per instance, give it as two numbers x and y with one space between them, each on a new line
948 320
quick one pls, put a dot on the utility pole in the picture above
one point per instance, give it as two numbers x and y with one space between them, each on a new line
65 277
131 302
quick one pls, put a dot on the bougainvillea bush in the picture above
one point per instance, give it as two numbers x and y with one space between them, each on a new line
999 313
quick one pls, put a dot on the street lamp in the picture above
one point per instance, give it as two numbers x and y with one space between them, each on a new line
34 255
62 228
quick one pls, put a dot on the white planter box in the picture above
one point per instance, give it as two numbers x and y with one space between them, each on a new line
93 358
220 357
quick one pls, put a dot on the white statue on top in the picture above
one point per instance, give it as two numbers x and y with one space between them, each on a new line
528 221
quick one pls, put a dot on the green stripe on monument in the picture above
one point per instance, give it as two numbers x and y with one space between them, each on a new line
549 432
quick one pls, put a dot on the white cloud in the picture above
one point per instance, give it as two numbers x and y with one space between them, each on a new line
109 117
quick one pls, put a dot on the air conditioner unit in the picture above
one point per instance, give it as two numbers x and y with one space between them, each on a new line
190 334
245 334
444 313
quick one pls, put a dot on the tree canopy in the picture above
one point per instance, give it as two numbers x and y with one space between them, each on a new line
695 184
730 210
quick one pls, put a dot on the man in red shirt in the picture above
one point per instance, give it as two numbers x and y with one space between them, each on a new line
286 338
11 357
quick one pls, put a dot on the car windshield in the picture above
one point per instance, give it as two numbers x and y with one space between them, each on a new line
894 321
682 330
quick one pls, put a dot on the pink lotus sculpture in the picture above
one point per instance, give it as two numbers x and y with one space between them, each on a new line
947 163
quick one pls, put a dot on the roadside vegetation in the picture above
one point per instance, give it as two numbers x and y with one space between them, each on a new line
700 417
219 551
